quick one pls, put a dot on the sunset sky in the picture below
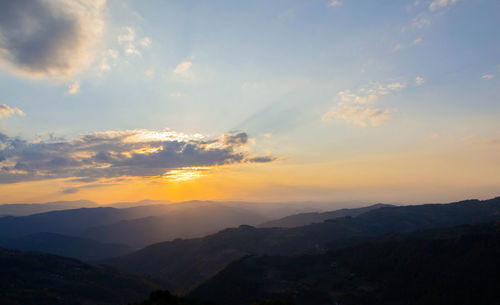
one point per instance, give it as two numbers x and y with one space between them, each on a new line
285 100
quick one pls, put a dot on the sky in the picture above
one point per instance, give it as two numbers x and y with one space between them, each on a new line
283 100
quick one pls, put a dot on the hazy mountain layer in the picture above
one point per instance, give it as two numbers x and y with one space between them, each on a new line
24 209
303 219
188 222
70 246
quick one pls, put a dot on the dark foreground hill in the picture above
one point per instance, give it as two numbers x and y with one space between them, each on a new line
304 219
444 266
70 246
187 263
32 278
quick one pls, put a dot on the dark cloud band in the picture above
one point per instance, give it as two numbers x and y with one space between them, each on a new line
137 153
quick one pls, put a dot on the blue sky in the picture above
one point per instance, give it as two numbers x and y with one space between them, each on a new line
309 82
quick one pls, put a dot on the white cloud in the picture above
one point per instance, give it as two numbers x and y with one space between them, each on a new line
183 69
177 94
487 76
419 80
113 53
334 3
52 39
436 4
130 49
396 86
127 39
359 115
6 111
348 97
127 36
104 65
145 42
419 40
110 55
421 21
358 109
74 88
149 72
397 47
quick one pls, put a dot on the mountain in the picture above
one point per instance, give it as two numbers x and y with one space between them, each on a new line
70 246
189 262
303 219
188 222
24 209
145 202
75 221
39 279
68 222
445 266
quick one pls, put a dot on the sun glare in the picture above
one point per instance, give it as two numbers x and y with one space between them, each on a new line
185 174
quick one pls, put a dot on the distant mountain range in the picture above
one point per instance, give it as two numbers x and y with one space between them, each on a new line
191 221
458 265
303 219
70 246
102 228
24 209
187 263
44 279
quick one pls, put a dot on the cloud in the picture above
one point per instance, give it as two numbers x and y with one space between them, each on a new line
74 88
334 3
397 47
6 111
419 80
113 154
110 56
149 72
421 21
176 94
360 115
113 53
441 4
127 39
183 67
487 76
356 108
49 38
70 190
419 40
145 42
396 86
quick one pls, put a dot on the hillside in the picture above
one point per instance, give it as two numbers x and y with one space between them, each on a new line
63 222
188 222
187 263
135 226
457 265
69 246
303 219
33 278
